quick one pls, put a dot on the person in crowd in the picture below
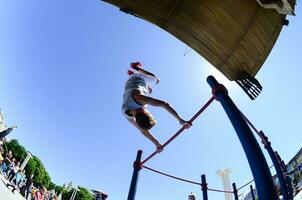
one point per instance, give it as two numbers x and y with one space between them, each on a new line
10 167
7 131
297 169
40 194
55 197
11 186
13 171
17 180
1 157
29 185
6 163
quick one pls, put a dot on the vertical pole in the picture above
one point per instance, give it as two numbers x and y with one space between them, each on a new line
235 191
287 178
136 168
277 165
252 192
24 163
255 157
290 188
204 187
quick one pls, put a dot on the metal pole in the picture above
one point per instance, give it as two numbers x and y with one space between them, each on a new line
204 187
255 157
252 192
287 179
29 156
136 168
235 191
277 165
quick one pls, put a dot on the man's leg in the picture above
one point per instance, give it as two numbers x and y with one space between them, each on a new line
143 100
147 134
27 192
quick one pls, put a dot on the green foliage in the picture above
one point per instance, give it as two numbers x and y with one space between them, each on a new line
82 194
41 176
18 150
51 186
58 189
30 167
34 165
66 194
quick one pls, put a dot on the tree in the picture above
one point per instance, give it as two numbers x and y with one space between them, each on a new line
41 176
19 152
82 194
58 189
30 167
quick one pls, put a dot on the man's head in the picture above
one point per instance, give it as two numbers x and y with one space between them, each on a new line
144 119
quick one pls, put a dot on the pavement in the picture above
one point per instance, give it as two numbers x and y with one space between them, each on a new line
7 194
298 196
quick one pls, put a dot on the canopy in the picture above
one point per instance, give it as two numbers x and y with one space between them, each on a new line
235 36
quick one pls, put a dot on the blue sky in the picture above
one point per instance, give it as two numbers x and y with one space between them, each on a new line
63 67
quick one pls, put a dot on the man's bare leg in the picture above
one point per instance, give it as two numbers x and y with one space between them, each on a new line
142 99
148 135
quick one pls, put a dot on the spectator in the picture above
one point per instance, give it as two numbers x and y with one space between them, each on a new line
14 171
6 162
39 195
1 157
55 197
7 131
10 167
295 170
29 185
18 178
12 186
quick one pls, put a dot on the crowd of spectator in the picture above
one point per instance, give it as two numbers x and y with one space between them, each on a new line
18 181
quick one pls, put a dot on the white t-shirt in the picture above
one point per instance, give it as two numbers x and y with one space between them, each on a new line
140 82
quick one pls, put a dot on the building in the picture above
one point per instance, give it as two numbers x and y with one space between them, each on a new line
295 177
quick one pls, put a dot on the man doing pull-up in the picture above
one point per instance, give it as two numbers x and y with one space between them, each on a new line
135 101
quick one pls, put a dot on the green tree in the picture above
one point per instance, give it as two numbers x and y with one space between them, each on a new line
30 167
41 176
82 194
66 194
58 189
19 152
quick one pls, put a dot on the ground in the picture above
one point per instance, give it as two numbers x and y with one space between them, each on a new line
6 194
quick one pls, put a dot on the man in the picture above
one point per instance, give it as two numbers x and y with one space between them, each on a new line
39 195
135 101
7 131
29 184
295 170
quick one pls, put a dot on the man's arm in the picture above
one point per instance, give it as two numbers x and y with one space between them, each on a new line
143 71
